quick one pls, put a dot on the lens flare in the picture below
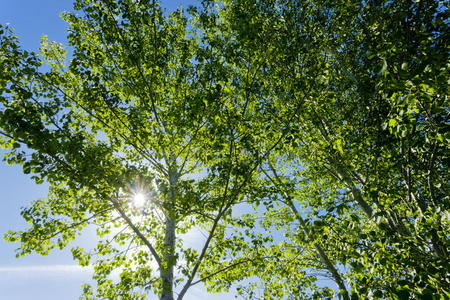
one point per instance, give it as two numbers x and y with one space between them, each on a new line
139 199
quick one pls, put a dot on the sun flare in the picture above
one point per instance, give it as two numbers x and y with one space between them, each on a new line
138 199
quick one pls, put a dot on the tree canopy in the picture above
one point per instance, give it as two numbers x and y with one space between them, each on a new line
308 139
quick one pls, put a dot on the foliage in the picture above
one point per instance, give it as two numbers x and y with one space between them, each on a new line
134 112
367 151
328 120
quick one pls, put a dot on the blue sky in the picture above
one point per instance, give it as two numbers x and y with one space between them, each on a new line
55 276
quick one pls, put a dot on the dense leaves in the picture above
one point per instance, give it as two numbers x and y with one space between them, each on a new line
309 139
367 152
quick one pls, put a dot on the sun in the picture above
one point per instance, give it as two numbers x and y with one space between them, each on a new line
139 199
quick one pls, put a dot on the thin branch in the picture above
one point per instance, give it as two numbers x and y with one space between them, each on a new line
229 267
75 224
202 255
137 231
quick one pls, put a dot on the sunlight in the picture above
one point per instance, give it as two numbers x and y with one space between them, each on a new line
139 199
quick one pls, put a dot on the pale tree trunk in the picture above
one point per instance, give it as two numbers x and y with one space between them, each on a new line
169 260
334 272
322 255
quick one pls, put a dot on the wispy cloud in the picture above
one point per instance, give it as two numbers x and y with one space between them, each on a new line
44 268
197 292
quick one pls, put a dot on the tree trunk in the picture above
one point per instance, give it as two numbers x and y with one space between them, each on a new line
323 256
169 259
334 272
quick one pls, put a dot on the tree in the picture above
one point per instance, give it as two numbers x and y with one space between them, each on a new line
366 150
142 106
328 117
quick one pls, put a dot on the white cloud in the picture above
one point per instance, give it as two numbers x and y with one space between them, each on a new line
197 292
45 268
